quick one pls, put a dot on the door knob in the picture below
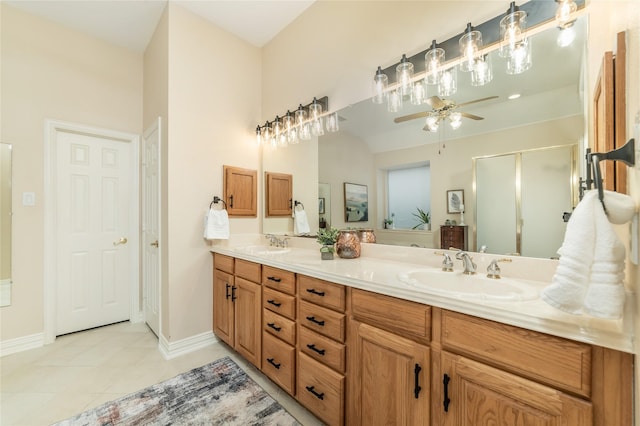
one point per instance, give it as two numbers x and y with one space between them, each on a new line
155 243
122 240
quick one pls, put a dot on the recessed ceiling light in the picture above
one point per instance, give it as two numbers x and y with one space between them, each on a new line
514 96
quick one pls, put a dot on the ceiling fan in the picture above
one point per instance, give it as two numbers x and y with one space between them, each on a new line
442 109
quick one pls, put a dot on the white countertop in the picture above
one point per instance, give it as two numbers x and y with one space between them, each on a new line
379 267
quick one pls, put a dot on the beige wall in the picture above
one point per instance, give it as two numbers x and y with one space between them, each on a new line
49 71
214 100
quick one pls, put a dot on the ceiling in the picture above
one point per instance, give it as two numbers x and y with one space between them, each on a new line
130 23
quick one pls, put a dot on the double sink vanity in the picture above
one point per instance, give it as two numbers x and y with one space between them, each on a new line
391 338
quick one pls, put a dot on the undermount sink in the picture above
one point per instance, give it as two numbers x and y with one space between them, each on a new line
476 287
262 250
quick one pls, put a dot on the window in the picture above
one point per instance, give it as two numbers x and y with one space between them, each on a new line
408 189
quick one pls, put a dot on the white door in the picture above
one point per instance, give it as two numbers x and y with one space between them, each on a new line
151 225
93 201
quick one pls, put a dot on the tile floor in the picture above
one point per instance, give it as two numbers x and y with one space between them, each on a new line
83 370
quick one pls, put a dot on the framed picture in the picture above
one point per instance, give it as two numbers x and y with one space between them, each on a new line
356 203
321 205
455 200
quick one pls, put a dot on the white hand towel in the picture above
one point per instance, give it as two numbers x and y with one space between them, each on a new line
569 284
605 295
620 207
300 223
216 225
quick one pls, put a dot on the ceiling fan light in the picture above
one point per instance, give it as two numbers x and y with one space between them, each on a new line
432 123
404 74
448 84
455 119
380 84
470 44
482 72
433 60
566 36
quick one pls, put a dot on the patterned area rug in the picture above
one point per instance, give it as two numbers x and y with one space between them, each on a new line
219 393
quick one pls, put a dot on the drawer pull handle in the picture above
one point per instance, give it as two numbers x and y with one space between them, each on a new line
272 362
316 292
227 291
274 303
274 279
316 350
313 391
233 293
314 320
417 388
275 327
445 381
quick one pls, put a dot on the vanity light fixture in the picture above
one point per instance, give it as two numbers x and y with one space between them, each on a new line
514 45
565 18
448 84
482 72
404 74
470 44
394 100
380 84
433 60
301 124
419 92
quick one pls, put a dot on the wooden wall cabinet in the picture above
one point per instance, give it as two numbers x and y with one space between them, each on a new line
237 306
279 194
241 191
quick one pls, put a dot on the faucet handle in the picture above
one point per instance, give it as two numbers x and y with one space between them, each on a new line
447 262
493 270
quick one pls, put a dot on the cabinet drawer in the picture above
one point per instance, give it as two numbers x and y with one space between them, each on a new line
284 281
325 321
321 390
248 270
408 319
322 349
223 263
332 296
548 359
278 362
279 326
279 302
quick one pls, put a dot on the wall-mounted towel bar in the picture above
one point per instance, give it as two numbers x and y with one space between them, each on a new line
216 200
298 203
626 154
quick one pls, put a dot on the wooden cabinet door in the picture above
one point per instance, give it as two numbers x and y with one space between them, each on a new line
223 284
248 320
241 191
483 395
390 378
279 194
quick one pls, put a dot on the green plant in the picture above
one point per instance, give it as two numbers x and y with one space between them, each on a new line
327 237
422 216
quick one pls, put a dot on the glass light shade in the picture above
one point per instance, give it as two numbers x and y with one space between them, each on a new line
331 122
266 132
455 119
566 36
566 13
288 122
304 131
470 44
380 84
419 93
317 127
394 101
432 123
292 136
448 84
404 74
258 136
315 110
512 28
433 61
276 127
482 72
300 115
520 59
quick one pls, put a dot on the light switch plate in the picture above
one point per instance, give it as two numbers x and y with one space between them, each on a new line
28 198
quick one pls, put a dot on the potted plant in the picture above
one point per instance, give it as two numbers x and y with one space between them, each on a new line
424 219
327 237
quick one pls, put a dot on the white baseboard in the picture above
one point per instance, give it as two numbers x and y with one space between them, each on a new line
170 350
12 346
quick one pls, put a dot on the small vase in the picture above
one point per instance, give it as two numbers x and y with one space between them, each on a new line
367 236
326 254
348 244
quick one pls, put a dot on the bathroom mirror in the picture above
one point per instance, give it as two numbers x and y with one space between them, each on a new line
549 112
5 224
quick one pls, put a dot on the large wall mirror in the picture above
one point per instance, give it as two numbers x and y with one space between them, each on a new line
5 224
549 112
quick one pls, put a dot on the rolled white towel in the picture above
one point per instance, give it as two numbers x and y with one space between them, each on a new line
605 300
620 207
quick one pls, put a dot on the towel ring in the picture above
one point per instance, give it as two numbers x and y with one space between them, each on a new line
216 200
298 203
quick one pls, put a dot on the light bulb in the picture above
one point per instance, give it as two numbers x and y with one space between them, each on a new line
432 123
455 120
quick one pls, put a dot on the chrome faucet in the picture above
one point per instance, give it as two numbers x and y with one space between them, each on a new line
274 241
447 263
467 261
493 270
